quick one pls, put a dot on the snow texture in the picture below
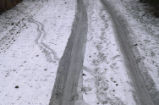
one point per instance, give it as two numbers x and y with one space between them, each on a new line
105 78
33 37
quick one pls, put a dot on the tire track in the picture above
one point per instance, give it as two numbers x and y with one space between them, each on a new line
50 54
70 66
121 28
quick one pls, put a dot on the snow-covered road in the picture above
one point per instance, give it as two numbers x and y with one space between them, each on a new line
33 38
106 80
122 31
70 66
76 52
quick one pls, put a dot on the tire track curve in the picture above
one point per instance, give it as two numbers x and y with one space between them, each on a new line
141 95
70 66
50 54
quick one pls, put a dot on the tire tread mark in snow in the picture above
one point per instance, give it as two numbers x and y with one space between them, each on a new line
142 97
49 53
70 66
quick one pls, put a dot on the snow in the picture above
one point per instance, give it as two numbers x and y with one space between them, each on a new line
141 12
144 42
105 78
33 37
34 34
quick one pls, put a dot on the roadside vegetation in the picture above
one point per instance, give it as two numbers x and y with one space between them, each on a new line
8 4
154 4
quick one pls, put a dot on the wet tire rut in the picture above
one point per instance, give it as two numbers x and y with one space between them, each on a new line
141 94
70 66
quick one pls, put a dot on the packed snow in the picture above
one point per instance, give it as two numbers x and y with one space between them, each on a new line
143 36
34 35
105 78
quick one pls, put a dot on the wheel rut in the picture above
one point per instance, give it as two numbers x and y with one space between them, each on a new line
141 95
70 66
